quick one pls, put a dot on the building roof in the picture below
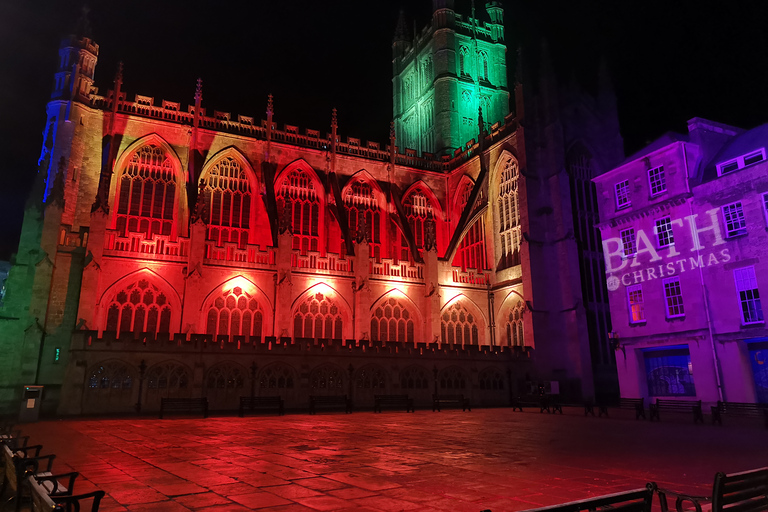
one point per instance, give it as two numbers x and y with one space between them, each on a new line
663 141
742 144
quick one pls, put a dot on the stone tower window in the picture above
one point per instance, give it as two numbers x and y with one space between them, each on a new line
317 317
509 215
483 57
391 321
146 194
298 194
463 54
360 202
459 326
139 307
228 203
236 313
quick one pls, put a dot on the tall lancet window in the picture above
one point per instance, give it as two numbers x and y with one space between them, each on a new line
228 201
146 195
471 252
299 195
509 215
417 209
361 206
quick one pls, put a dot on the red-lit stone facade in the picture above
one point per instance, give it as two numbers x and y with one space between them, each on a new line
182 252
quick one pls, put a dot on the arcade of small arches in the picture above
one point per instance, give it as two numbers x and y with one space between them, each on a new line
150 195
139 305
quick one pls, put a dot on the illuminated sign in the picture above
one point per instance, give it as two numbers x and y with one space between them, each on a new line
621 270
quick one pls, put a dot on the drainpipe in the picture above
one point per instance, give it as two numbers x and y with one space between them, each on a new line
715 358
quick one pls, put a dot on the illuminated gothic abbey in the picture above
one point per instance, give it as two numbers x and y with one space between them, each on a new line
173 250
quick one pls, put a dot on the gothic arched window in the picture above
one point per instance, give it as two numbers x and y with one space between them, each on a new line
514 331
276 376
391 321
361 207
228 203
327 377
225 376
236 313
317 317
417 209
168 376
463 53
299 196
139 307
459 326
453 378
509 215
471 251
414 377
491 379
483 65
371 377
111 375
146 195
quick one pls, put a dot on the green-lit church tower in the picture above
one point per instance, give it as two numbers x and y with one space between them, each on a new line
444 73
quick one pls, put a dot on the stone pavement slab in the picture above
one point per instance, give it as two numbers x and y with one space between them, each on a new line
485 459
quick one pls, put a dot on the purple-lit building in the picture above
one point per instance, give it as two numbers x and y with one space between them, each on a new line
684 224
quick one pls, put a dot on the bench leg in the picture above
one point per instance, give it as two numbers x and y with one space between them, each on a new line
698 416
602 409
589 409
654 414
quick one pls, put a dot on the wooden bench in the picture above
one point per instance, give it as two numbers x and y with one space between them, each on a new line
693 406
380 401
551 404
44 502
739 409
633 404
19 466
184 405
637 500
518 403
746 492
251 403
330 402
451 401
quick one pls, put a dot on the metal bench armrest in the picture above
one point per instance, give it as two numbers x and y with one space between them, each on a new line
66 500
680 499
55 479
28 449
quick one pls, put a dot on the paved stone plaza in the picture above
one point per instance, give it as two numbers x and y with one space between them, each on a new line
485 459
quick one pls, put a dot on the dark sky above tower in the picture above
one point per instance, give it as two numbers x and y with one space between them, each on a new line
669 60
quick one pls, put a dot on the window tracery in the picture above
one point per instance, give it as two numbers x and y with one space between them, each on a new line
139 307
459 326
225 376
371 377
491 379
391 321
417 209
509 215
514 329
276 376
168 376
228 203
110 375
360 202
414 377
327 378
298 195
463 53
318 317
236 313
471 251
453 378
146 196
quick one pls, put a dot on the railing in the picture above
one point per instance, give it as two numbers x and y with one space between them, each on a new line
230 253
471 277
143 106
138 245
331 263
403 270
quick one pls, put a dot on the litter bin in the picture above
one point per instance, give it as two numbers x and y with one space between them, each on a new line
31 400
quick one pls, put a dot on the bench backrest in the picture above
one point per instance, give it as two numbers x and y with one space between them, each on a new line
328 398
631 401
183 401
677 403
637 500
41 502
448 397
746 491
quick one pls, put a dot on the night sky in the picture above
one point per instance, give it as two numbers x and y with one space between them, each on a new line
670 60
